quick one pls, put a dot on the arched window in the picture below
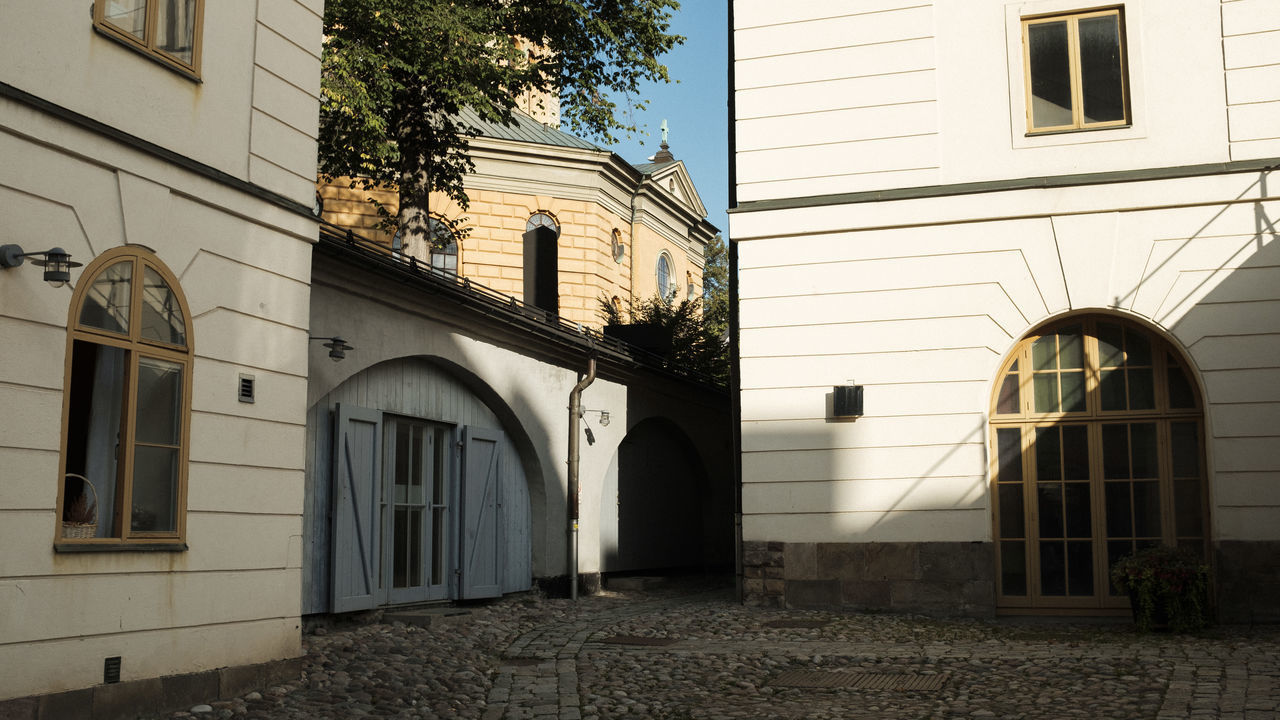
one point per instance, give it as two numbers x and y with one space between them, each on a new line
542 262
444 246
666 277
1097 451
127 404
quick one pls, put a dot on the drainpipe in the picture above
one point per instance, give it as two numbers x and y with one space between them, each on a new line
575 417
631 259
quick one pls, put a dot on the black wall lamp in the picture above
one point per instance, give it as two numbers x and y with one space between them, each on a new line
57 263
337 347
846 401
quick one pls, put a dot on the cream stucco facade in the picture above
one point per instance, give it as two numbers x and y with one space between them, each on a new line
590 193
212 180
917 232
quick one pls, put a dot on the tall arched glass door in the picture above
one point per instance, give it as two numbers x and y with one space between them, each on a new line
1097 439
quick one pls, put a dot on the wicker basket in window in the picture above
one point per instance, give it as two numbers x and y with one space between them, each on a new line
83 517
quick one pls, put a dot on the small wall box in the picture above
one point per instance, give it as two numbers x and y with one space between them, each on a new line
846 401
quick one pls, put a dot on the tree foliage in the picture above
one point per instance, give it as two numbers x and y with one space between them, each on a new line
691 343
715 287
397 74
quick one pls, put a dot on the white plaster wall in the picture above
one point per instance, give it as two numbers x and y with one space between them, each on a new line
244 266
833 98
536 391
253 115
920 300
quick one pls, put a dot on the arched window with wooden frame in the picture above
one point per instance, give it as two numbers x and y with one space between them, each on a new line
1097 437
127 405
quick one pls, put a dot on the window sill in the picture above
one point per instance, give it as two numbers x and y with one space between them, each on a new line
1072 131
92 547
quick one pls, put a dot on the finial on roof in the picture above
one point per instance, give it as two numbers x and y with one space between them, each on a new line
664 155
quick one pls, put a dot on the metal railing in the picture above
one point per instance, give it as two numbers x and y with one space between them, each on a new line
538 321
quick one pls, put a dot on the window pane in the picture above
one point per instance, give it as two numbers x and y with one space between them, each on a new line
1119 510
159 401
1048 456
176 28
1008 402
1043 353
93 431
1053 569
106 304
128 15
1075 452
1186 449
1072 353
1101 69
1080 568
1046 390
1013 568
155 489
1142 391
1012 516
161 315
400 540
1049 499
1115 452
1050 74
1111 389
1110 344
1079 514
1146 509
1009 442
1137 348
1073 392
1180 394
1143 438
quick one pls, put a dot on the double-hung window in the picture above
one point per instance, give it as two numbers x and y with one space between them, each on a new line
1076 75
165 30
128 405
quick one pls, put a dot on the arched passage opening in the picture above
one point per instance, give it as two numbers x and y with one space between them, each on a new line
1097 436
421 485
655 506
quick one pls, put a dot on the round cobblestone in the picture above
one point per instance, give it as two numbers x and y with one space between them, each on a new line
532 657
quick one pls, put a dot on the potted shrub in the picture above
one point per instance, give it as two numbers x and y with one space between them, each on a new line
1166 586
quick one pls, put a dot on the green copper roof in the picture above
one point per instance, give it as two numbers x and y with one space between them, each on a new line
527 130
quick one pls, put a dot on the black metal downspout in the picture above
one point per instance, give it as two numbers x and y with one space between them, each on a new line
735 384
575 418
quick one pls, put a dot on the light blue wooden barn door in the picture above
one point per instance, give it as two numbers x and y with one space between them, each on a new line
481 544
357 480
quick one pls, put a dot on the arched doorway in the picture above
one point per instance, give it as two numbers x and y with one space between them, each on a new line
1097 435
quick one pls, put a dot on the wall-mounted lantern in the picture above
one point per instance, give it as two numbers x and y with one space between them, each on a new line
57 263
337 347
846 401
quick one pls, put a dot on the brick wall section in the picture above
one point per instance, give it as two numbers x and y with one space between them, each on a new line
936 578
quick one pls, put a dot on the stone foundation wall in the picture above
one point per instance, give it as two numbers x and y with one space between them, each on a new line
935 578
1248 581
152 696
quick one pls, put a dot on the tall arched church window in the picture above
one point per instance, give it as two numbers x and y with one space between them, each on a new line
542 262
444 246
127 404
1097 451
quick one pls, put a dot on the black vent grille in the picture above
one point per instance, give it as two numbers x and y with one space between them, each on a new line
245 392
111 670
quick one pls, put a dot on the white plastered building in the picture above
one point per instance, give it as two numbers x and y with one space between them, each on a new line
1041 236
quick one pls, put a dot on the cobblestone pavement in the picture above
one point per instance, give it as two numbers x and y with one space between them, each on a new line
685 651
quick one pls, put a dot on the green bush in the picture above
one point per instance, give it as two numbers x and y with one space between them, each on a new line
1165 580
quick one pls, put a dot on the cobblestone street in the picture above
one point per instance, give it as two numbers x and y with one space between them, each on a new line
688 651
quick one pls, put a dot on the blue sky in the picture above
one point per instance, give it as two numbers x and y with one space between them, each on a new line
694 106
